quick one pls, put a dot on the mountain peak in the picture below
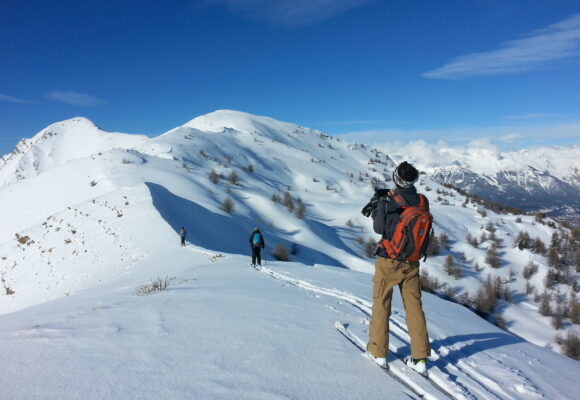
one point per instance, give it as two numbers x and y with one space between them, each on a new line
75 121
219 120
59 143
75 125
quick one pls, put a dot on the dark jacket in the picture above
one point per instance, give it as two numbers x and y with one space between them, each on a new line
262 242
386 215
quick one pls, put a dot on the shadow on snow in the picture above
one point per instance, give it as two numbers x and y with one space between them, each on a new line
226 233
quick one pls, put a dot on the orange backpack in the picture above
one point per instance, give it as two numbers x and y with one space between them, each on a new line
410 239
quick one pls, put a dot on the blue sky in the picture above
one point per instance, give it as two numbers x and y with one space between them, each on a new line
453 70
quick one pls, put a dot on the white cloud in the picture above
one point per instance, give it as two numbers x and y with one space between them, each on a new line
536 50
483 144
11 99
73 98
288 13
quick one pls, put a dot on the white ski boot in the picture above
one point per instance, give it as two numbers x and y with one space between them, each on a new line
380 361
418 365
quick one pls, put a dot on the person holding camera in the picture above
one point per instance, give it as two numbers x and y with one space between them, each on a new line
402 218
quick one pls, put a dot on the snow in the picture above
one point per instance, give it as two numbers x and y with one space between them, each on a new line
543 179
562 162
223 330
59 143
101 220
482 157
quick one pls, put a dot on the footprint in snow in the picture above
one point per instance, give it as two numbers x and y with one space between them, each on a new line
528 390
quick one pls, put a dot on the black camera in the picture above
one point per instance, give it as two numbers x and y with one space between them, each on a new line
373 203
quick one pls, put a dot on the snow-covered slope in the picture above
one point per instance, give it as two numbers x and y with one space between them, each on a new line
545 178
239 121
224 330
561 162
59 143
72 259
174 168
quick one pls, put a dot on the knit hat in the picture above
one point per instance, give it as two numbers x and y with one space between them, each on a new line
405 175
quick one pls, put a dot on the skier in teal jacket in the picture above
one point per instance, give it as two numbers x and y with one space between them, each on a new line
257 243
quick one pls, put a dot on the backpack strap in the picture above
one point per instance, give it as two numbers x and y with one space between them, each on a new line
400 200
423 202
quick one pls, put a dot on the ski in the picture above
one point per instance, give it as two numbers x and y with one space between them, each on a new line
415 382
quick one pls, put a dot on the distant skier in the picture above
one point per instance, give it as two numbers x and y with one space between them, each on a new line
257 243
402 217
182 235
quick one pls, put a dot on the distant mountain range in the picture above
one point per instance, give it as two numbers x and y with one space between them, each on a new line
543 179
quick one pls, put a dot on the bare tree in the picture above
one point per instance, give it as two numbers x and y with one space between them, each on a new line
280 253
234 178
214 177
228 205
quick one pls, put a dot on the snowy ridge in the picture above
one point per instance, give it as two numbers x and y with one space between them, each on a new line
59 143
483 158
239 121
107 223
545 178
561 162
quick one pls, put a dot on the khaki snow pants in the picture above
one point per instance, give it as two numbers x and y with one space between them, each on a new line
388 274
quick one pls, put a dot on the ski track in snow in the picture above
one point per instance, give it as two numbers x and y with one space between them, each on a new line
398 370
457 381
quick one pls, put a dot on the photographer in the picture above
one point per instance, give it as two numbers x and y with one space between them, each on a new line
401 216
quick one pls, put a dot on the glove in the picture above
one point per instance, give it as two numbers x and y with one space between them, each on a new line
371 205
